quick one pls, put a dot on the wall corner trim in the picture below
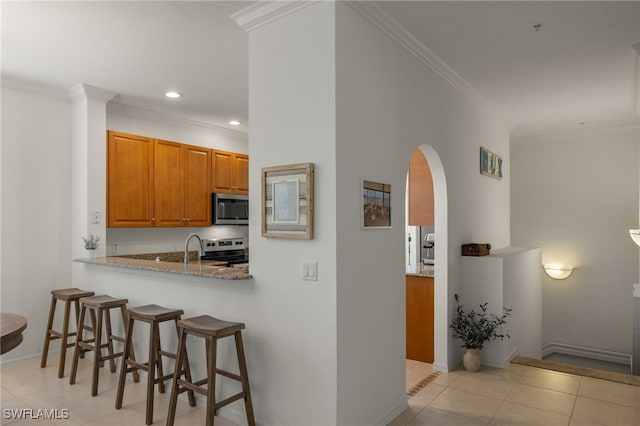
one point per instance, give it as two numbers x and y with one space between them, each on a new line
265 12
85 91
377 16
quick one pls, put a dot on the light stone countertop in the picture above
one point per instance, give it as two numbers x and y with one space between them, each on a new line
202 270
420 270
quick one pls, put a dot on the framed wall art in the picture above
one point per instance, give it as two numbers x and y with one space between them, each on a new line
375 205
287 201
490 163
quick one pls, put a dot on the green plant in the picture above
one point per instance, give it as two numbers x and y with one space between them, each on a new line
477 328
91 242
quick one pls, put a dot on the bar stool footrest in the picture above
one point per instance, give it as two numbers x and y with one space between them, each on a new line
229 374
229 400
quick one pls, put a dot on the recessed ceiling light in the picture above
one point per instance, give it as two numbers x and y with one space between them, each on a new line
172 95
234 122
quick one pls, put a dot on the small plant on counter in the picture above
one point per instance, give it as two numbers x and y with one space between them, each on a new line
477 328
91 242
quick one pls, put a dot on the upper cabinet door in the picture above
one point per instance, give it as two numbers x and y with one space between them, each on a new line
197 185
129 180
168 186
241 175
222 167
230 174
421 211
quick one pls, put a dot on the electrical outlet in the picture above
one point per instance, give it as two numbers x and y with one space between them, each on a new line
310 271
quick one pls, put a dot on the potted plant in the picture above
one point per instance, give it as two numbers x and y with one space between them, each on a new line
475 329
91 243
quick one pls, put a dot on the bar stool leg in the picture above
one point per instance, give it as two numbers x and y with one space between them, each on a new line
180 359
187 372
123 366
97 353
211 382
47 335
76 349
159 366
112 361
151 378
132 355
65 336
244 375
77 306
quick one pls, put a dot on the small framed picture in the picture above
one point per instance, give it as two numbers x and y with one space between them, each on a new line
375 205
490 164
287 201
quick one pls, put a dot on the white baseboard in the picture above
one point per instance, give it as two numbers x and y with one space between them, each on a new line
585 352
393 413
21 360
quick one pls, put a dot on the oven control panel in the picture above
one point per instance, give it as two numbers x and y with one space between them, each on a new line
223 244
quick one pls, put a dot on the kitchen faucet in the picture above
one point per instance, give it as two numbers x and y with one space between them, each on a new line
186 248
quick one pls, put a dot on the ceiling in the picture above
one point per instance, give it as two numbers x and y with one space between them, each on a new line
579 70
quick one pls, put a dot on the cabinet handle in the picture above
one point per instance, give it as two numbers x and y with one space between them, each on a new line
153 219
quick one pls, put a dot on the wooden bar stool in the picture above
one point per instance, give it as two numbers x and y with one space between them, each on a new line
68 296
153 315
211 329
100 307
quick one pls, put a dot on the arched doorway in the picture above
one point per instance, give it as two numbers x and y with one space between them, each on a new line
440 259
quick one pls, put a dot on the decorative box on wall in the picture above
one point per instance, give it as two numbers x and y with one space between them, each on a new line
475 249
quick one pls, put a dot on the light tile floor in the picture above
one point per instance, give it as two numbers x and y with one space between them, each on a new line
517 395
27 386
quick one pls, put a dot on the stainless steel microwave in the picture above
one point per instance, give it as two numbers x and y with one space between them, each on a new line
230 209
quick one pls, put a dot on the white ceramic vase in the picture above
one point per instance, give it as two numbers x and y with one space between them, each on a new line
471 359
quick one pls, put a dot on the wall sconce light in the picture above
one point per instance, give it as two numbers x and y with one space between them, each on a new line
635 235
558 272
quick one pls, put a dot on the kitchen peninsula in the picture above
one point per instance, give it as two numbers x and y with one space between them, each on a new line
201 269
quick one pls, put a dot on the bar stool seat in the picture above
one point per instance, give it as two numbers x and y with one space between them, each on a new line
153 315
99 307
211 329
68 296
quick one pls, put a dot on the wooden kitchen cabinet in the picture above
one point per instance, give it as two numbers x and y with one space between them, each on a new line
420 318
197 185
130 201
181 185
153 182
421 210
230 172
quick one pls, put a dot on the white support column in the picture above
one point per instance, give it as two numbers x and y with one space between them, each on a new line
88 174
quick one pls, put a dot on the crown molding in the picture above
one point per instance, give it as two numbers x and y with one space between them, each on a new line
130 111
550 136
373 13
83 91
26 86
265 12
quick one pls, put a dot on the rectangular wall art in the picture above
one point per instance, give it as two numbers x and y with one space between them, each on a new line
490 163
287 201
375 205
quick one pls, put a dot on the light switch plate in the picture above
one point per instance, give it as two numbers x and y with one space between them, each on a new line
310 271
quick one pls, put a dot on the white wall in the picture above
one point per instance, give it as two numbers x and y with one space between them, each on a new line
292 110
36 206
388 104
510 278
576 197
